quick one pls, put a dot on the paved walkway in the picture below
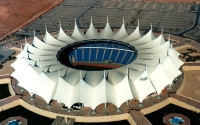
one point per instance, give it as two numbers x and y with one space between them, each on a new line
187 100
9 99
4 76
139 118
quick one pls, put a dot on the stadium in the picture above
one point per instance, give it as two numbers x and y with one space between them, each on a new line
96 68
102 62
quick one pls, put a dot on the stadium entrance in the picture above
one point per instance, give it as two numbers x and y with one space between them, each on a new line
97 54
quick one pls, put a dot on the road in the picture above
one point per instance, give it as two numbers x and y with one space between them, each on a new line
194 24
79 16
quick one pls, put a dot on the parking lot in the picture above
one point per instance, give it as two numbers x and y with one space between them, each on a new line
172 17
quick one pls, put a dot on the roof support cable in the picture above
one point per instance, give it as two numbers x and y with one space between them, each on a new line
123 57
130 58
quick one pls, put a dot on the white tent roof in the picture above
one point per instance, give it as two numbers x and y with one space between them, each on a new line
176 61
138 67
156 42
19 64
75 93
93 78
41 58
33 79
159 79
133 75
140 92
133 36
153 55
96 87
92 33
171 72
148 61
110 94
56 67
107 32
62 36
25 46
123 87
85 94
99 94
63 92
37 51
14 64
145 39
49 63
121 33
78 34
72 78
22 73
45 88
114 77
52 41
41 45
163 47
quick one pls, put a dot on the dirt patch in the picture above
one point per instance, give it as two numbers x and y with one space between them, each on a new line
191 84
197 92
14 14
4 13
188 53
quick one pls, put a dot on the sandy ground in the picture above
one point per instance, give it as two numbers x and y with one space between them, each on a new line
183 49
15 14
7 69
182 1
191 84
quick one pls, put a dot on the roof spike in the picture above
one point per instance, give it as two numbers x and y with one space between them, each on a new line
65 73
138 22
75 22
127 72
21 47
28 61
35 63
123 20
169 37
59 24
91 19
40 66
46 28
159 61
107 74
107 19
104 74
171 45
25 40
146 66
167 53
48 69
151 26
21 51
58 72
162 31
81 75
